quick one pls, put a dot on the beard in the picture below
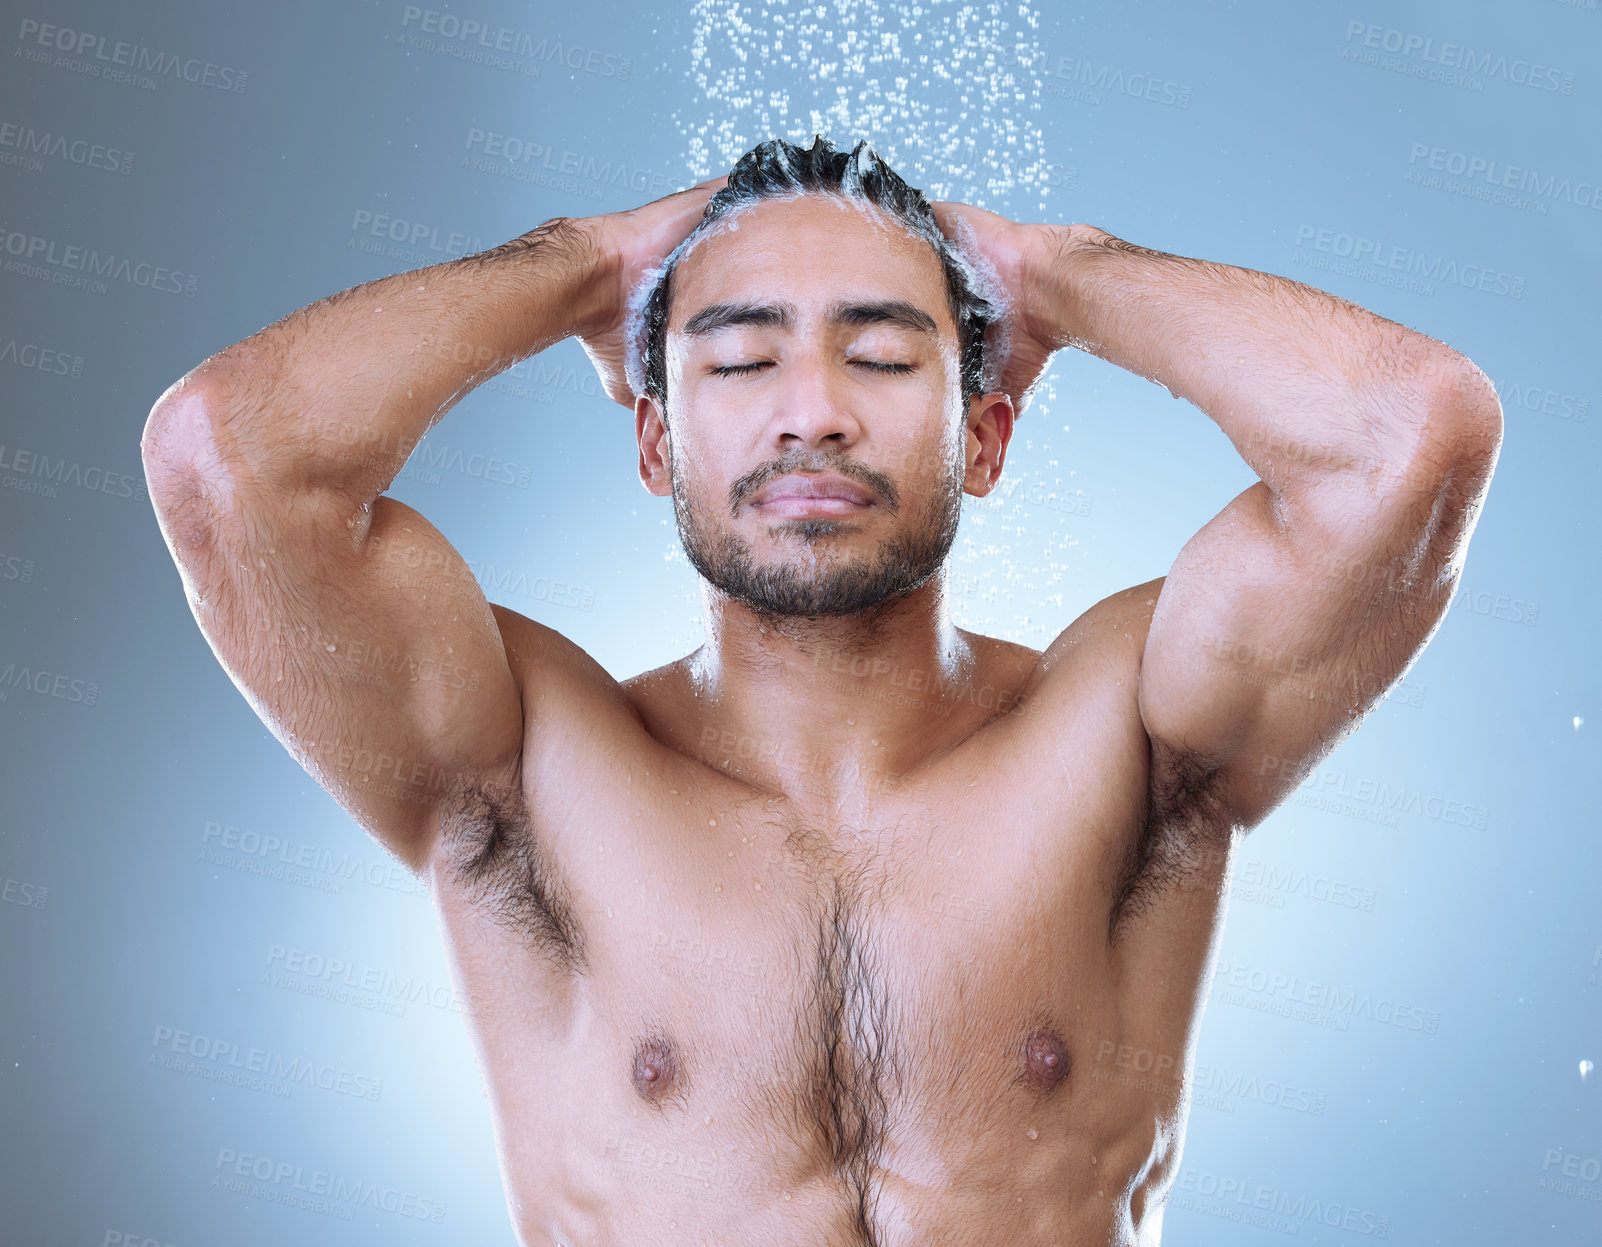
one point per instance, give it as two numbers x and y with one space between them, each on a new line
824 583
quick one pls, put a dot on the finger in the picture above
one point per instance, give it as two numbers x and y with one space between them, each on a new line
707 188
712 186
617 388
948 214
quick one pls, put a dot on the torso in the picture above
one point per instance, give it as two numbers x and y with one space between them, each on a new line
959 1011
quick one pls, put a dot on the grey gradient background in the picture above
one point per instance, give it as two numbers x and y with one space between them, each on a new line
1412 966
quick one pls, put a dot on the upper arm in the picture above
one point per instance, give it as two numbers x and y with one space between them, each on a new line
352 627
1284 620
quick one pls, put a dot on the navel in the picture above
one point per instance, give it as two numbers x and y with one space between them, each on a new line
656 1069
1045 1059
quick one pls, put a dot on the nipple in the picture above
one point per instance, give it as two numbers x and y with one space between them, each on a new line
655 1069
1045 1059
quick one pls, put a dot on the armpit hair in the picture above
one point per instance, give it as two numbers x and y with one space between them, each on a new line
492 854
1186 829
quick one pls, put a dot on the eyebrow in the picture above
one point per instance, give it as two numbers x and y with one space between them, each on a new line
716 316
884 312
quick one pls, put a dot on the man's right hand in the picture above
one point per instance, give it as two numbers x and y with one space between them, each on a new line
627 246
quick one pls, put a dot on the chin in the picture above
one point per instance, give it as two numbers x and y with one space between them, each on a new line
813 530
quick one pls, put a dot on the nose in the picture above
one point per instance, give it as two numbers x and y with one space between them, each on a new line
813 408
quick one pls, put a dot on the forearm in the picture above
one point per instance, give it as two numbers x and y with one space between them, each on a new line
339 393
1303 383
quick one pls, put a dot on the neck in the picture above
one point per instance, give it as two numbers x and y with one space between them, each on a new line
822 704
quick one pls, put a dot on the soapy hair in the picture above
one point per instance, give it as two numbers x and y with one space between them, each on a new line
777 169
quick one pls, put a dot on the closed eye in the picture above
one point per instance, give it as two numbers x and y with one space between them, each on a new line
740 370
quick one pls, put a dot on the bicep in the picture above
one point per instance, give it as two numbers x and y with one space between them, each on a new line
1280 625
361 638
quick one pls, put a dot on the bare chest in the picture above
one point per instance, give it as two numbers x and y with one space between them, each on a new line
828 1006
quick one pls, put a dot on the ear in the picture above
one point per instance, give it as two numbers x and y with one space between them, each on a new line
650 430
990 418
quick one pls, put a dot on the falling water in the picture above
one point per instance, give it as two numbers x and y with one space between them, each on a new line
949 94
945 91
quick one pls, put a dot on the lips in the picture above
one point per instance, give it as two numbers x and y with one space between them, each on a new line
809 494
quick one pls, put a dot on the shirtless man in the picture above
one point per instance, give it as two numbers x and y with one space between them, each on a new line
845 911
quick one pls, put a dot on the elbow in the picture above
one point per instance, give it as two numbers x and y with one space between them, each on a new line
1454 454
183 470
1463 420
179 423
1439 430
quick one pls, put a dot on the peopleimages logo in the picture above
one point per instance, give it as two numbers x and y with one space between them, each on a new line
68 264
33 467
230 1062
1103 77
40 358
327 869
1350 1002
383 985
278 1181
1285 881
412 235
47 684
30 146
1455 56
1226 1086
483 37
1493 173
604 171
1415 263
1536 398
1237 1195
119 61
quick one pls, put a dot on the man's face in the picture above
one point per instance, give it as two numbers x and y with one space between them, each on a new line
817 446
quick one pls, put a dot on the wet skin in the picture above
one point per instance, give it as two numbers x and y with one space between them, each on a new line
763 1017
791 949
853 930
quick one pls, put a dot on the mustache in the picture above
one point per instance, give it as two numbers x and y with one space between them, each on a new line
877 483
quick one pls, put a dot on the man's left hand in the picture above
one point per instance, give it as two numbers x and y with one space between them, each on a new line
1023 257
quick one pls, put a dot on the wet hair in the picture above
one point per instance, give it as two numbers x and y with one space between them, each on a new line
777 169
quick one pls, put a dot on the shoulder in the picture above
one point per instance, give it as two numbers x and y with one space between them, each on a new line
539 655
1108 636
1113 633
1118 624
1084 701
1076 703
572 706
1100 650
